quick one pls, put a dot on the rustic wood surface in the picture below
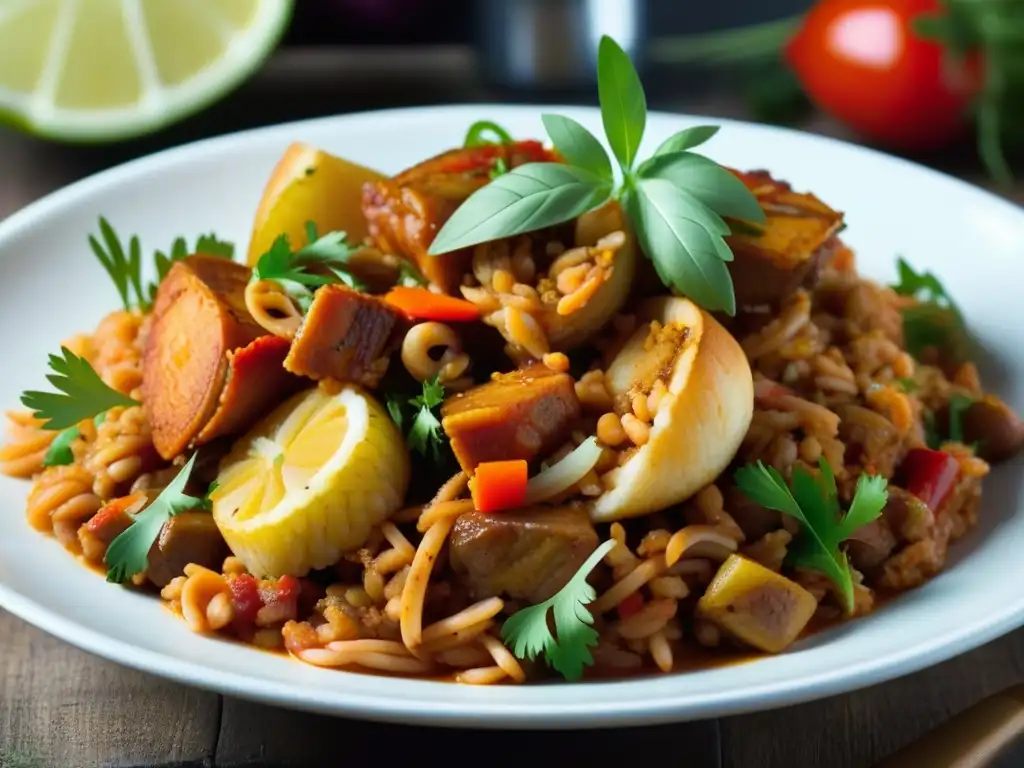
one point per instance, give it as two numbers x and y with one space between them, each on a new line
62 708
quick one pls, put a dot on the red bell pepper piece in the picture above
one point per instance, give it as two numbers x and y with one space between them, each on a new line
930 475
631 606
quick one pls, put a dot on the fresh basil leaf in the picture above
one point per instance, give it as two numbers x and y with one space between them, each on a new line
623 103
685 255
525 199
713 185
688 138
578 145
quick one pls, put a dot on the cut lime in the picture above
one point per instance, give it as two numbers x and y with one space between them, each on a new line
103 70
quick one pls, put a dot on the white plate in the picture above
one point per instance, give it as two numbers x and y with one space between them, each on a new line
51 286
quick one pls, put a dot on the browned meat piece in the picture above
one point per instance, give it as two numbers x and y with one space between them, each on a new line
189 537
517 415
406 212
526 555
752 518
797 236
871 439
347 336
991 424
199 317
869 547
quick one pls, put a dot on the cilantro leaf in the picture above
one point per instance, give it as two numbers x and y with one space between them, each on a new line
935 321
291 270
124 263
128 554
409 276
85 394
528 635
814 501
394 405
425 435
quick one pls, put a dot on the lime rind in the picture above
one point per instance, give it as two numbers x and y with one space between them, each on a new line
161 105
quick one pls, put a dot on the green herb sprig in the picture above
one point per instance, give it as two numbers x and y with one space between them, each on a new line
528 634
935 321
123 262
676 201
128 554
81 394
59 453
425 436
290 269
814 501
480 131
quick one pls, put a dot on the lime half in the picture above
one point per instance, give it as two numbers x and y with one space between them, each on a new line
102 70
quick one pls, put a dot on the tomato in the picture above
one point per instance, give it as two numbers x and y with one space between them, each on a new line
862 62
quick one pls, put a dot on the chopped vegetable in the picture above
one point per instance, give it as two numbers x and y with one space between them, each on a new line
564 474
567 650
59 453
814 501
676 200
498 485
290 269
760 607
958 405
481 128
128 554
409 276
85 395
421 304
930 475
125 268
935 322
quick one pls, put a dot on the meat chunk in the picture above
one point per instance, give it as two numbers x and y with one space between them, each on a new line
517 415
871 439
992 424
526 555
769 266
199 317
189 537
406 212
347 336
758 606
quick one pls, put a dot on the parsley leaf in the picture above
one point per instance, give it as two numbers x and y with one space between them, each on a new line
59 453
814 501
425 435
290 269
527 632
394 405
124 262
936 321
85 394
675 201
128 554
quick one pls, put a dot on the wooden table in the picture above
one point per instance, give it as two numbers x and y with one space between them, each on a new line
63 708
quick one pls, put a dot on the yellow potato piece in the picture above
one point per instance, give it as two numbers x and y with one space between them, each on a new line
310 482
309 184
760 607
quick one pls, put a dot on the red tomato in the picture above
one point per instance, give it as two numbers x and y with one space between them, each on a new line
862 62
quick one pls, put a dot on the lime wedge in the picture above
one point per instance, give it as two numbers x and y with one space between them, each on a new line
103 70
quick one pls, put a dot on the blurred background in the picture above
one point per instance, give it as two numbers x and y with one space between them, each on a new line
83 82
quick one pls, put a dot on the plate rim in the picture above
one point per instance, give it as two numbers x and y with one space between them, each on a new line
473 711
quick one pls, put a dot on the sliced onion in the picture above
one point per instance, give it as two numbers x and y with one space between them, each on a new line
563 475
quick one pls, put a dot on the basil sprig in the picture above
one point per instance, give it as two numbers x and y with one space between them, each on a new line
676 201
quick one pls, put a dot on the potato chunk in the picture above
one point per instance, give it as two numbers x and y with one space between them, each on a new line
755 605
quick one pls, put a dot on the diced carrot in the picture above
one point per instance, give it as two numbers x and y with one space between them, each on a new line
113 518
421 304
631 606
498 485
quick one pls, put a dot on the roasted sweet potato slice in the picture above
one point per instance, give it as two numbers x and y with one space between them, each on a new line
517 415
256 383
346 336
199 317
798 234
406 212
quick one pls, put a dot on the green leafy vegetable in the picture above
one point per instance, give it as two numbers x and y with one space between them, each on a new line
409 276
958 405
426 436
82 393
814 501
290 269
128 554
59 453
475 136
936 321
528 634
675 201
124 262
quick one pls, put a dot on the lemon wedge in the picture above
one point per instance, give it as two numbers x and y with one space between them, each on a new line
102 70
309 482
